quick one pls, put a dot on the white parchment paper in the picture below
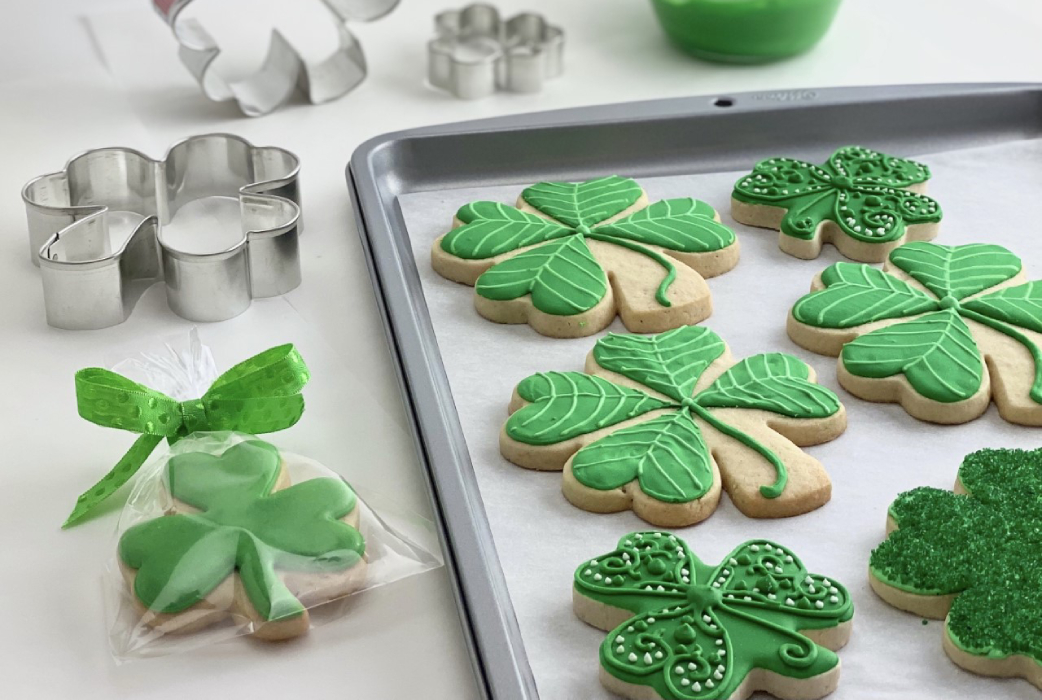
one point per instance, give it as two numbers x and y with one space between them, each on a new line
991 194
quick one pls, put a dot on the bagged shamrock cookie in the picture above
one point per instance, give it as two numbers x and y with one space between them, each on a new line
229 535
226 533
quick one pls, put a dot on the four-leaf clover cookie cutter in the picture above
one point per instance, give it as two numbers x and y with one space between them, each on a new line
476 53
284 72
91 281
681 629
864 202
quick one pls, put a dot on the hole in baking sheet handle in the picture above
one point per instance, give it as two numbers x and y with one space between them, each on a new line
723 102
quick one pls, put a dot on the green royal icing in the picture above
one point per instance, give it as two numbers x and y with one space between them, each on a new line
984 547
667 454
242 526
858 189
929 341
560 272
697 631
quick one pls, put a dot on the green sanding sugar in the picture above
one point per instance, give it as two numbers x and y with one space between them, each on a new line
985 546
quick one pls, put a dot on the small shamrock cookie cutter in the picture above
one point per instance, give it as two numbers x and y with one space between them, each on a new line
971 558
239 540
570 256
942 330
680 629
475 53
659 424
284 71
864 202
91 281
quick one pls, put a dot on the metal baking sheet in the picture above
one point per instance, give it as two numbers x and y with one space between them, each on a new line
672 137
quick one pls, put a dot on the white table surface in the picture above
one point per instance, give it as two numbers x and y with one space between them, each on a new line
68 83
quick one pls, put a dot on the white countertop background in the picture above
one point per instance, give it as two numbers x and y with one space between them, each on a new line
76 75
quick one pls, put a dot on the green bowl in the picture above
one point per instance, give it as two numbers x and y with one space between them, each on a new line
745 31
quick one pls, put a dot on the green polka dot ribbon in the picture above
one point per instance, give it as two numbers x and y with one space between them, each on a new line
259 395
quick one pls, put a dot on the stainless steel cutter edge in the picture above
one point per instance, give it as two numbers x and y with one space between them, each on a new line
284 70
518 54
87 285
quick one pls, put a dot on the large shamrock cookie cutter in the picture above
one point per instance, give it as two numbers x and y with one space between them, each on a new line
658 424
572 255
284 71
684 630
92 281
972 559
241 541
864 202
942 330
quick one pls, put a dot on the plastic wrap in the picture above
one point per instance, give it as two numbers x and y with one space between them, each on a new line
225 534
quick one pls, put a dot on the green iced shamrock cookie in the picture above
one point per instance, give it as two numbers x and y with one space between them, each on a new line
658 423
942 330
864 202
686 630
570 256
231 517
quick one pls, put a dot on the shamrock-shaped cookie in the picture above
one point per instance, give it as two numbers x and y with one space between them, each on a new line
864 202
684 630
658 423
974 559
941 329
240 541
572 255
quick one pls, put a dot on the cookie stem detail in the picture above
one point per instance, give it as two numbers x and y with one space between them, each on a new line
775 489
1036 388
671 271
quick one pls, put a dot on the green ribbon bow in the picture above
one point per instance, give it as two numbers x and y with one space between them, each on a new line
259 395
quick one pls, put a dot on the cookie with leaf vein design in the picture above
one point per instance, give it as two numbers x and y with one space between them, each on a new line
569 257
864 202
942 330
681 629
660 424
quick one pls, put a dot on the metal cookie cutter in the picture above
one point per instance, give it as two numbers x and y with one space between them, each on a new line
91 281
475 52
284 70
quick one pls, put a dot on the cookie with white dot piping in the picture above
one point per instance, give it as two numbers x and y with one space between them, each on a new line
864 202
681 629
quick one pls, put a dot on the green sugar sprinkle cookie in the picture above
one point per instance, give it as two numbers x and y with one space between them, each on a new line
569 257
942 330
680 629
973 557
864 202
660 424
